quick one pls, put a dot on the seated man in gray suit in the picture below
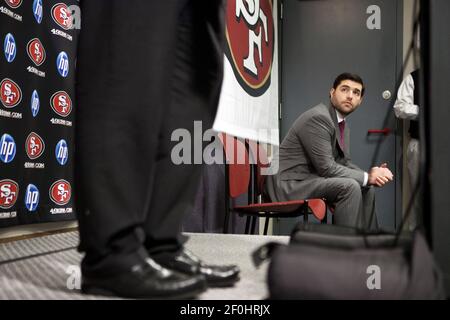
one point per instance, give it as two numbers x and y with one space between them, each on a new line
314 160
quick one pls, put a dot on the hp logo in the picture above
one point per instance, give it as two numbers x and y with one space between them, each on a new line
62 64
37 10
32 197
9 47
62 152
35 104
7 148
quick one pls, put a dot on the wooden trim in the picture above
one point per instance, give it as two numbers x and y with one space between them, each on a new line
37 234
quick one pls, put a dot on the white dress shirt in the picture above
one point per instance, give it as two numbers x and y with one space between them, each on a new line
404 106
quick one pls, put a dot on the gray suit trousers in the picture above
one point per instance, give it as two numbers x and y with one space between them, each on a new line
354 205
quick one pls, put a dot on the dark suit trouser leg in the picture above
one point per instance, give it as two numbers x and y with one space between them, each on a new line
145 87
195 88
123 68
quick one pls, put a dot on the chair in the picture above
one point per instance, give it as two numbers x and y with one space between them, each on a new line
245 176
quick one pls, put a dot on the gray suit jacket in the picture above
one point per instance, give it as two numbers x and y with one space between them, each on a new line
312 149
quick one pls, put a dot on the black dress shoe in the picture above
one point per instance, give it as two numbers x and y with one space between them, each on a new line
187 263
147 280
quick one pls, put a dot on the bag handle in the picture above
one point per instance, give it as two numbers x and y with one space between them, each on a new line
265 252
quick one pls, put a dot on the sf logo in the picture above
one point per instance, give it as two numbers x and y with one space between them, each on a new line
250 36
252 14
62 192
62 103
35 146
9 95
7 196
37 51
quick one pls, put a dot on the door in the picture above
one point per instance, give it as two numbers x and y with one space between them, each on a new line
321 39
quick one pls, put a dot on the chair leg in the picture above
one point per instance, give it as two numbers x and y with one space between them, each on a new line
266 226
226 221
247 225
305 212
254 224
305 217
228 206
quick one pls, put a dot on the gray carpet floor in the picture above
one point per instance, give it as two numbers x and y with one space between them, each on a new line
48 267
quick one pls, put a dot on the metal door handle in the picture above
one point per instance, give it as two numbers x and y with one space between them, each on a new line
384 131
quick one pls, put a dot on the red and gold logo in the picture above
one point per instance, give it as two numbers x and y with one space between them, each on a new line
250 36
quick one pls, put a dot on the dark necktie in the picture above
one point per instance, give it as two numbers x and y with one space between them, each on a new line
341 130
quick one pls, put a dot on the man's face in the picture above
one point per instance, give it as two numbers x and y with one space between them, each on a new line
346 98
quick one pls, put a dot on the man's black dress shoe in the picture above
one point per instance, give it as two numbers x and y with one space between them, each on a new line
147 280
187 263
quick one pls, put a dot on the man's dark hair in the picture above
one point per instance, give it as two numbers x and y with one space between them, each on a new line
349 76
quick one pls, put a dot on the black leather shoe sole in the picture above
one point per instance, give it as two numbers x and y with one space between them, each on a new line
187 263
222 283
97 291
147 280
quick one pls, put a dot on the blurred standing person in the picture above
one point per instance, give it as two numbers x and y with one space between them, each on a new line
144 69
406 107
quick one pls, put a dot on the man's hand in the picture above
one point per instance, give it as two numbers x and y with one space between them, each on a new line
379 176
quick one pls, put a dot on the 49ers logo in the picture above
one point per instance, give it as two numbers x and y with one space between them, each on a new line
36 51
60 192
61 103
62 15
10 93
250 37
9 191
14 3
34 146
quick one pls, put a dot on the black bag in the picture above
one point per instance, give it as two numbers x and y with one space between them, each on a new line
333 262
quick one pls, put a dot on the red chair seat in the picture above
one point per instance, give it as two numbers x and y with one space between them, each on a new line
317 206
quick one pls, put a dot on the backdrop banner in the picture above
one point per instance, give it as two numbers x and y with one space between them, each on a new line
249 101
37 88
